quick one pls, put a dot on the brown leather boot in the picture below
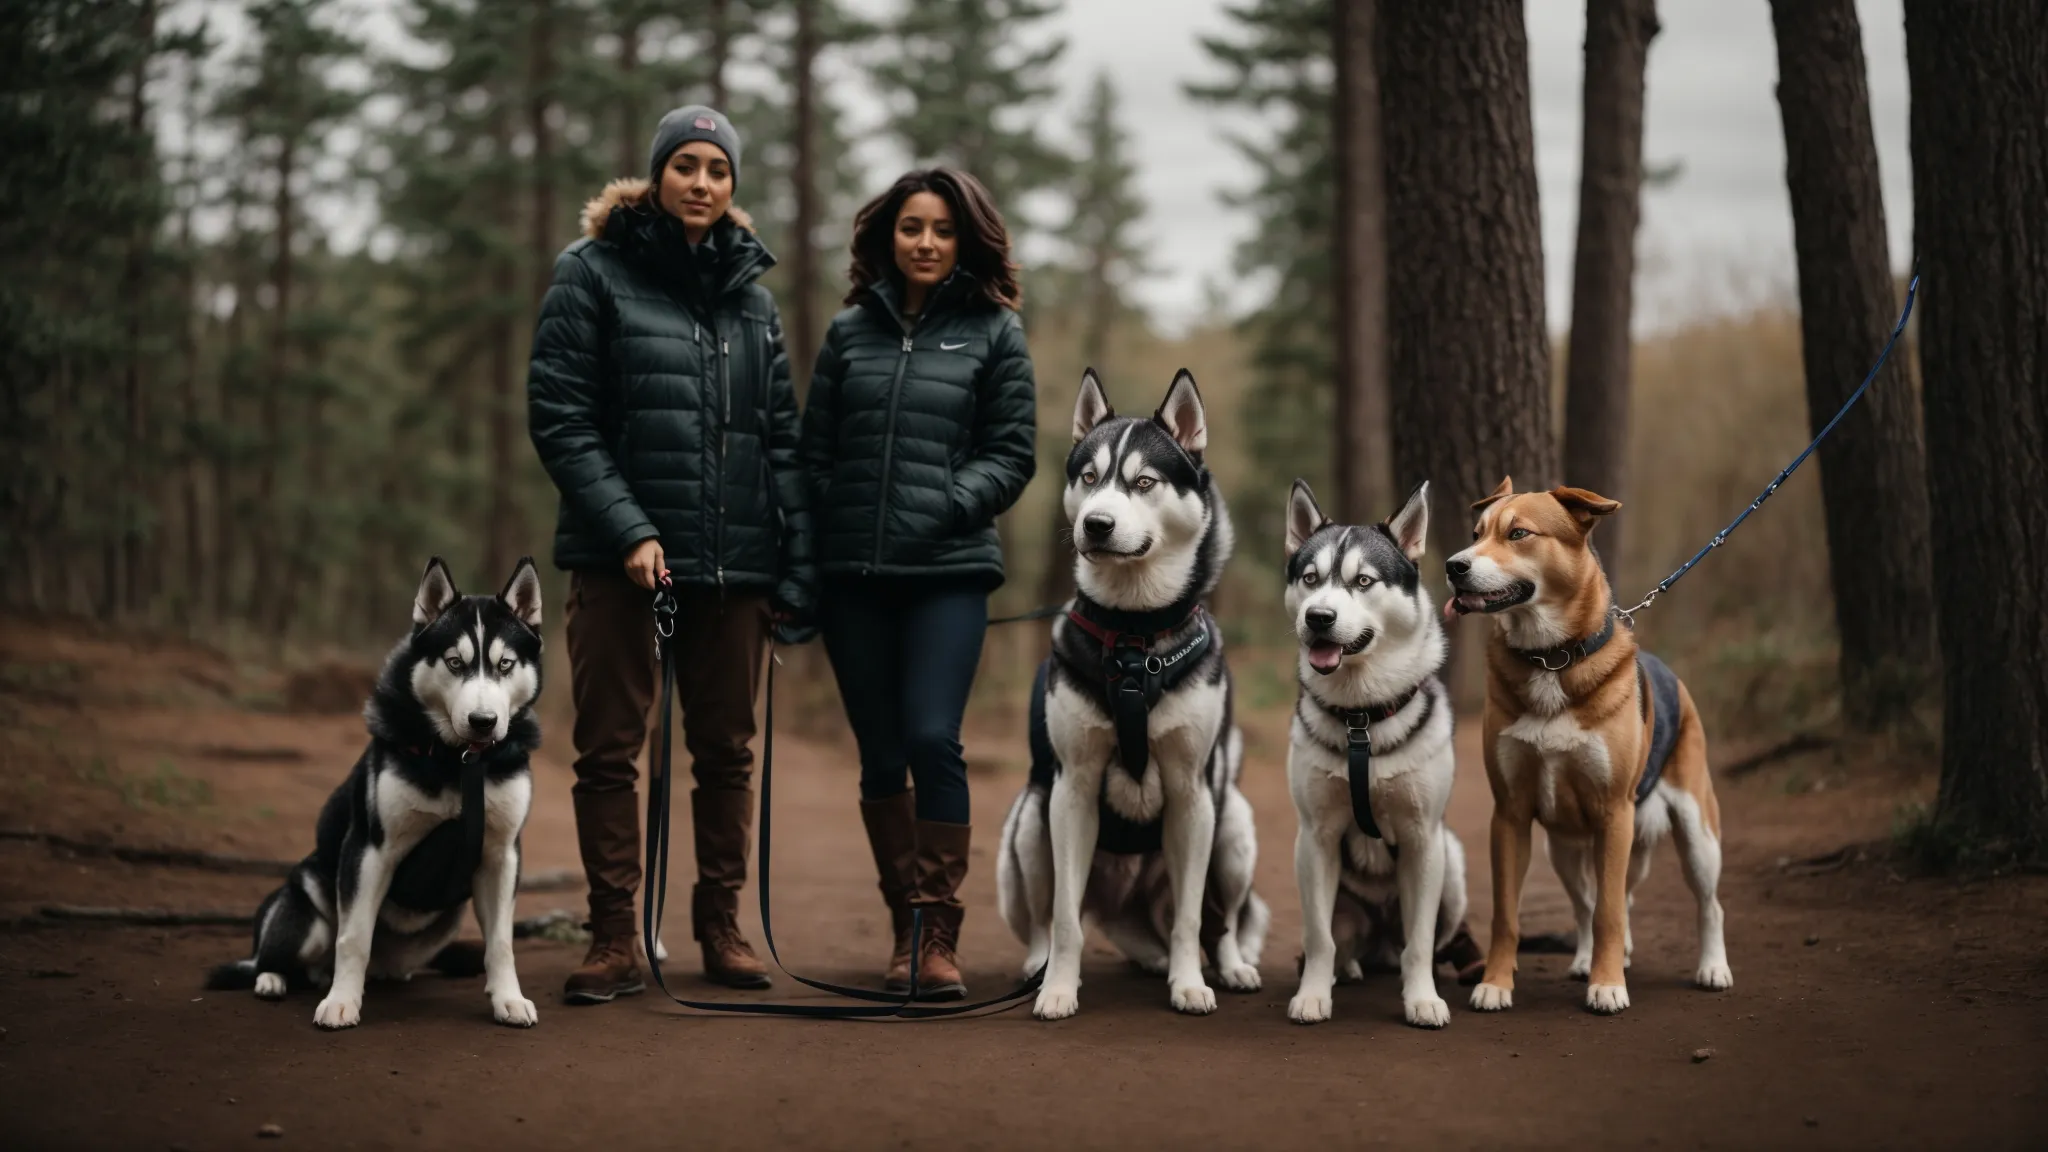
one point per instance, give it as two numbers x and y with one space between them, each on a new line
892 835
941 866
724 820
610 970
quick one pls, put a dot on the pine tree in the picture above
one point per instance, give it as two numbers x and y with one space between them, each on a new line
1105 257
287 102
1278 64
84 195
967 82
1980 177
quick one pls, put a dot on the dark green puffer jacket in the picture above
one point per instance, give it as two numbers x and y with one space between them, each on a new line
659 400
917 437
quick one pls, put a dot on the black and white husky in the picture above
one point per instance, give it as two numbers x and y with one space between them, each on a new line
1147 834
427 822
1371 643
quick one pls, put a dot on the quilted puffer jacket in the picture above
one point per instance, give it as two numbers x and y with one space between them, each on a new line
659 399
917 435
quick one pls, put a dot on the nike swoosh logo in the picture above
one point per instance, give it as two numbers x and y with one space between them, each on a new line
945 347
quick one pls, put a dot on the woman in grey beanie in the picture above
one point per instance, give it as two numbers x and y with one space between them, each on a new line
660 403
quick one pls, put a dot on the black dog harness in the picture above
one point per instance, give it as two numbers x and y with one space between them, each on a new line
1656 694
440 870
1358 751
1136 679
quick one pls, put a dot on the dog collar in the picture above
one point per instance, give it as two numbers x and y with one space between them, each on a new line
1561 658
1112 625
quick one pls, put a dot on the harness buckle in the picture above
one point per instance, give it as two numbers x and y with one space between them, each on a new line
1154 665
1358 730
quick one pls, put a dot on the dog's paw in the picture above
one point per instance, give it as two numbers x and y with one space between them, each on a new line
1607 999
1492 998
1714 977
1350 972
1430 1013
1056 1003
515 1011
269 986
335 1012
1582 967
1310 1007
1243 978
1194 999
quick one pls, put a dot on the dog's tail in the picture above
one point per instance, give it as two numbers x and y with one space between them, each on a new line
461 960
239 976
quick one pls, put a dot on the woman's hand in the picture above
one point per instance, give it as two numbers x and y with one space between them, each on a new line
644 564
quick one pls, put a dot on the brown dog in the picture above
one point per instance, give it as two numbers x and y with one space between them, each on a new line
1585 733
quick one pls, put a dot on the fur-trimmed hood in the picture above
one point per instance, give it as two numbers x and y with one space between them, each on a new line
635 193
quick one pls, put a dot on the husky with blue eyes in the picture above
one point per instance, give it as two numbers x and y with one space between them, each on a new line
1132 816
1370 762
427 824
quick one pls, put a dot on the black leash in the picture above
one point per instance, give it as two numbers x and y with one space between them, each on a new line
883 1005
1628 615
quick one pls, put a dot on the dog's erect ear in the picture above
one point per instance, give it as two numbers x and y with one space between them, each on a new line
1586 507
522 593
1410 526
1181 414
1505 489
1304 516
1091 407
437 592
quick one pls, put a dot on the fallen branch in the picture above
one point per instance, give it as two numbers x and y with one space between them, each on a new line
146 917
1790 746
1824 863
552 880
163 857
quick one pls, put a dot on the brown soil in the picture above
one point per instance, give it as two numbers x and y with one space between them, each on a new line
1871 1009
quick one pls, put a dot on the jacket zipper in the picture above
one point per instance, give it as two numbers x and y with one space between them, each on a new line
889 447
724 444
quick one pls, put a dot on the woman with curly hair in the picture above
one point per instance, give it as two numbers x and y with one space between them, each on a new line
919 432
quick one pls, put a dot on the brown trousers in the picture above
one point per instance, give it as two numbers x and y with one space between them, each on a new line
721 640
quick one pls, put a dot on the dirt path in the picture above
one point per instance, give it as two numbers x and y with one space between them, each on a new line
1867 1012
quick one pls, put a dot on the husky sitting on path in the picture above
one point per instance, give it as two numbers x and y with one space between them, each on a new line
429 817
1370 762
1132 813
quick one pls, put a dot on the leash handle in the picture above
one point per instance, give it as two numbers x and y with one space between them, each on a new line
655 901
1721 537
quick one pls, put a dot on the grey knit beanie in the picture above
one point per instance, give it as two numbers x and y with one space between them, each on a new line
694 122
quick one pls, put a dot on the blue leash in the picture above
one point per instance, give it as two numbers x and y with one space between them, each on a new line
1628 615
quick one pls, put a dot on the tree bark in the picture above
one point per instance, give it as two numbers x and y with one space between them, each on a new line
1469 353
802 337
137 451
507 528
1359 456
1618 35
269 572
1980 179
721 50
1873 467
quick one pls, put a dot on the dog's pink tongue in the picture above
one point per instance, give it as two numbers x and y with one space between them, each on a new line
1450 611
1325 656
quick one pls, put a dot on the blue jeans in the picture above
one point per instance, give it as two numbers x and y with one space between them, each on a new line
904 652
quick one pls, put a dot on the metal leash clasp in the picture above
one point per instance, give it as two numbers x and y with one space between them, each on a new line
664 614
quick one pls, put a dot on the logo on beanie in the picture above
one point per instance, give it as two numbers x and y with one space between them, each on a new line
705 123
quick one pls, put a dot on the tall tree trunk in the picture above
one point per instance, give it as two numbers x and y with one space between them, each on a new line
231 530
507 529
191 449
136 447
721 50
1470 357
270 539
1618 35
802 337
1873 467
1980 178
632 133
1359 459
